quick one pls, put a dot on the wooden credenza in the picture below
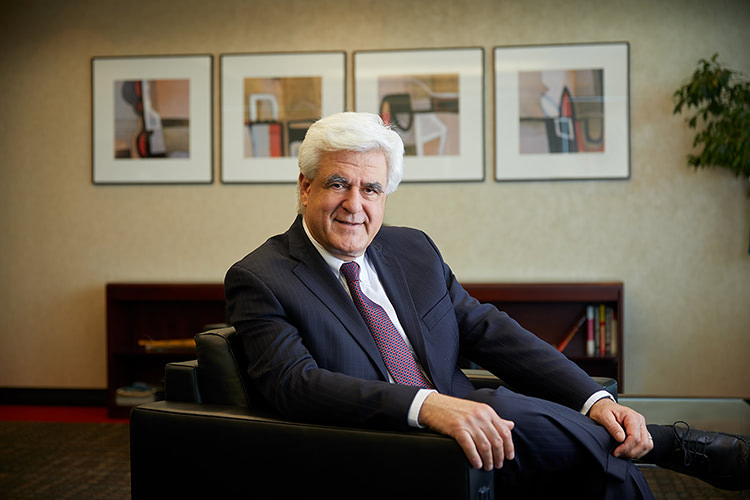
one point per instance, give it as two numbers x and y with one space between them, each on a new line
153 311
168 311
551 310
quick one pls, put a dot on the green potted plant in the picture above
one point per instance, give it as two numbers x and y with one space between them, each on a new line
721 98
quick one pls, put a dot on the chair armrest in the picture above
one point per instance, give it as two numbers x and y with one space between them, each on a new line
181 382
210 451
482 379
608 384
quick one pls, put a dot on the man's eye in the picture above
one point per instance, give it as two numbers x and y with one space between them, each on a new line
371 192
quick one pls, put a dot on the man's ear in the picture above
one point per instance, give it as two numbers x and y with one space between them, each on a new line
304 189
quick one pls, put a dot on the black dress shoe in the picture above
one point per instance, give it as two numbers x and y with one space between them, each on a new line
721 460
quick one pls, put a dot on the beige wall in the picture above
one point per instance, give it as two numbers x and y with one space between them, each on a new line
678 239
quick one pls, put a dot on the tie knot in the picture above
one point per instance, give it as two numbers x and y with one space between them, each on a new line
350 270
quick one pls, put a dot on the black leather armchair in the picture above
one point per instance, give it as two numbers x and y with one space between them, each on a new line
209 439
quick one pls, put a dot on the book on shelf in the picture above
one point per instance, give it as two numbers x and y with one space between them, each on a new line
572 333
590 337
600 328
614 330
605 325
152 345
137 393
609 324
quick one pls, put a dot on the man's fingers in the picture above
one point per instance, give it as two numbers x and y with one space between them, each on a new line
496 440
510 451
466 442
490 449
483 446
634 446
484 437
503 443
637 443
615 429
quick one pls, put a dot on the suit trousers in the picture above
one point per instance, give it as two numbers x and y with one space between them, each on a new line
559 453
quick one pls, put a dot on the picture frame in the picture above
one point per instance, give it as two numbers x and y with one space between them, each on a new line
562 112
268 100
152 119
434 99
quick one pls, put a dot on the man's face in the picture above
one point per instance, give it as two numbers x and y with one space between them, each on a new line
345 203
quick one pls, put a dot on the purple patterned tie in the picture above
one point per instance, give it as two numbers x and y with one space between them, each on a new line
396 354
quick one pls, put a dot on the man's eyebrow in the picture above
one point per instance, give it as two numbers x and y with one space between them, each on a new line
335 179
340 179
375 186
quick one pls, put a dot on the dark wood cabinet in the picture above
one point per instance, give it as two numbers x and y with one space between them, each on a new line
552 310
153 311
168 311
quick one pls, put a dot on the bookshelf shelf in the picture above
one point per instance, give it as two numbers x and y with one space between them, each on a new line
153 311
550 310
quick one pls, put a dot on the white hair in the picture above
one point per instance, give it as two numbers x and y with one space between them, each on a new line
350 131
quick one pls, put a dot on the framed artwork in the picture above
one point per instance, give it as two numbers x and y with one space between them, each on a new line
434 99
152 120
562 112
268 101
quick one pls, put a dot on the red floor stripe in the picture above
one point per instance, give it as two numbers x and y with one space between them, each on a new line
82 414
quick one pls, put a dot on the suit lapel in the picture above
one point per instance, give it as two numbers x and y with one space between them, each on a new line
313 271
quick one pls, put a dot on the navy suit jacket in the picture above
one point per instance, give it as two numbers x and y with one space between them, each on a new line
313 358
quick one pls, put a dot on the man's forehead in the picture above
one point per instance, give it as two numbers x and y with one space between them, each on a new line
352 166
373 157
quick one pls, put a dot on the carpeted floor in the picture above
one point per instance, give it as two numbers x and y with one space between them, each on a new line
49 460
668 485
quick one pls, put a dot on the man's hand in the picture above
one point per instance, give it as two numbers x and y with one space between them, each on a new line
481 433
627 426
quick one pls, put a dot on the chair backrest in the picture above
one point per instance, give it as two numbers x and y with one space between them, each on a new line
222 369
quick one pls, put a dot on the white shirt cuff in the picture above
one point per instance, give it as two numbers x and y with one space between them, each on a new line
416 405
593 399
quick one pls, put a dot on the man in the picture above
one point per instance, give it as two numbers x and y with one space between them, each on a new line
347 321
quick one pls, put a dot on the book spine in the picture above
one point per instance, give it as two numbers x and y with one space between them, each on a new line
571 334
602 330
615 334
597 339
590 331
610 350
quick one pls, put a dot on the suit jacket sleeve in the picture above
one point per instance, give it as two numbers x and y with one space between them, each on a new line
529 365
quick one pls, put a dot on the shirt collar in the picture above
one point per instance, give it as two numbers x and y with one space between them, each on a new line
334 262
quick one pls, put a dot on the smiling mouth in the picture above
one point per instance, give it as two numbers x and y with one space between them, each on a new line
347 223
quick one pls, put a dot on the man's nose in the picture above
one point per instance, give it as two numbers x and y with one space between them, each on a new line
353 201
